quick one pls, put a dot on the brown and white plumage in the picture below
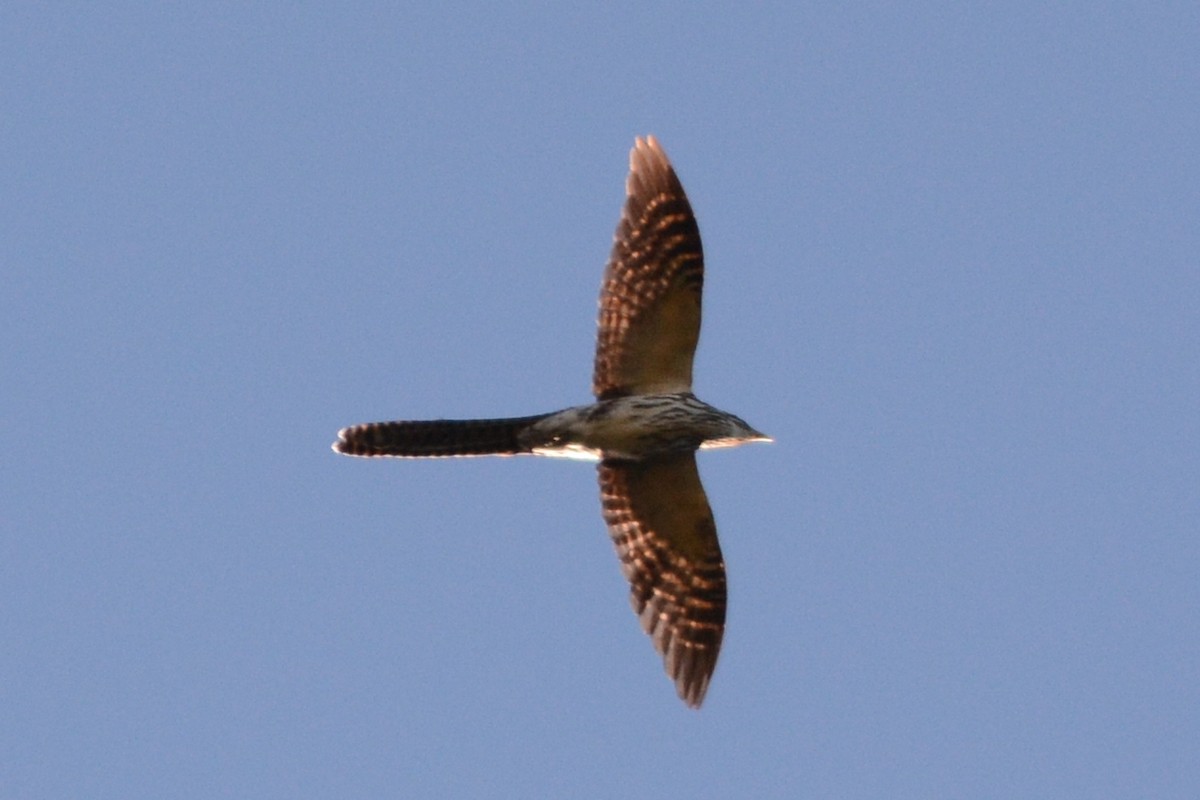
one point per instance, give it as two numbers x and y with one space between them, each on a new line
657 512
666 540
644 427
650 298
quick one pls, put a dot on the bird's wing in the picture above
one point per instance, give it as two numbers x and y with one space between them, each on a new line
650 299
663 529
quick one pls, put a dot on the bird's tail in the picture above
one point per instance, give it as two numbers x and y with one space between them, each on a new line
435 438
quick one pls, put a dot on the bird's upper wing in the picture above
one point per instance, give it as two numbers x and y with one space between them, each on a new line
663 529
650 299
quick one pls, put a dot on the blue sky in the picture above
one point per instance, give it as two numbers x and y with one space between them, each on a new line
953 268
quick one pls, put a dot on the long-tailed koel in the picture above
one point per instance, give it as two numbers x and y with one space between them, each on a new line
644 427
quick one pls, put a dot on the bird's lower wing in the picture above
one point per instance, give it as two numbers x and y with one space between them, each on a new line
666 539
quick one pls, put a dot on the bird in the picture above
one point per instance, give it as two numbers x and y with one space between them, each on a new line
644 427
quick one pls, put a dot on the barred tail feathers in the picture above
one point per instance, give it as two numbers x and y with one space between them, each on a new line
437 438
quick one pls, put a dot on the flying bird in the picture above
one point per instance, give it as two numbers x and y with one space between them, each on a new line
644 427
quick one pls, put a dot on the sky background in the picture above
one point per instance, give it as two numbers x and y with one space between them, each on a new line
953 267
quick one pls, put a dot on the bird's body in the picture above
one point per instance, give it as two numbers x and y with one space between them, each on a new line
643 428
630 428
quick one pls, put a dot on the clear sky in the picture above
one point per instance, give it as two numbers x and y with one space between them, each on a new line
953 268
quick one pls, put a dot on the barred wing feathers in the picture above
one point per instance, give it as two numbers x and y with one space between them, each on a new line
663 530
650 299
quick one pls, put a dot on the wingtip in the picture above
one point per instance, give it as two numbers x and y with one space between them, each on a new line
650 170
644 148
692 692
